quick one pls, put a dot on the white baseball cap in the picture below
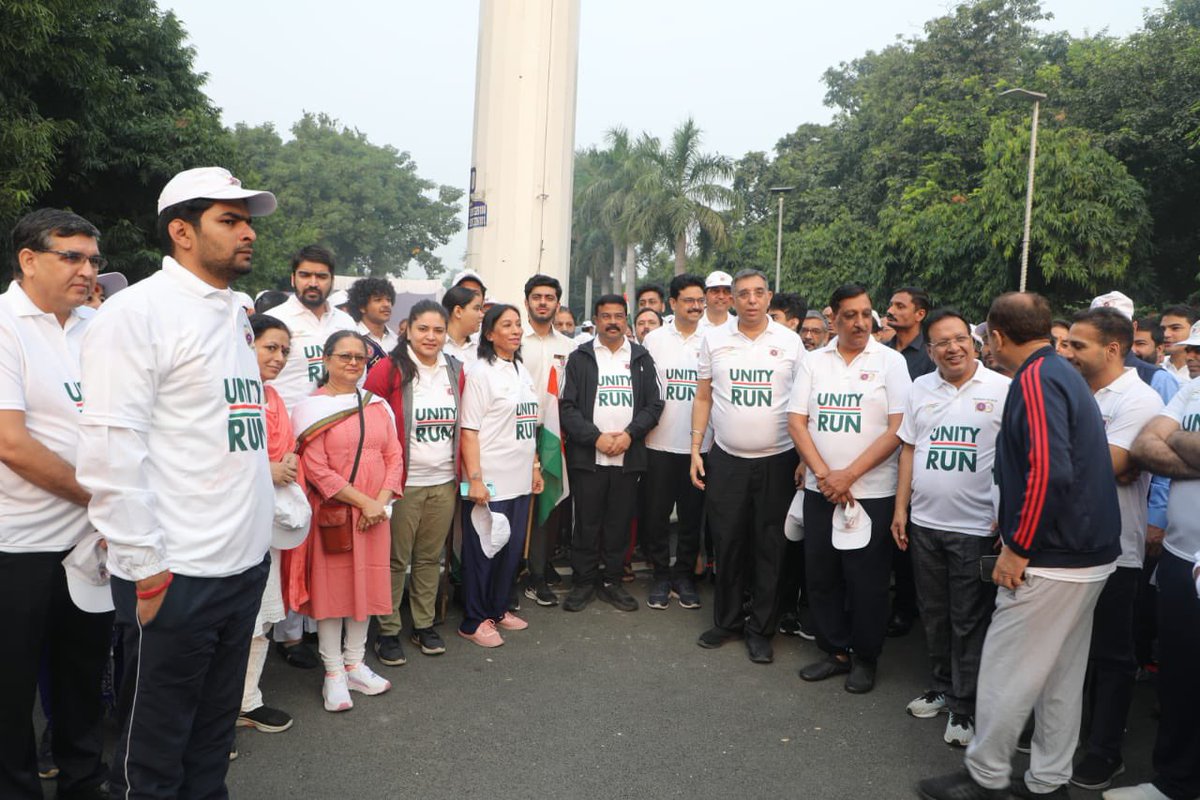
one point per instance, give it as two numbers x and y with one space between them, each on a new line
468 275
214 183
1193 339
339 297
717 279
493 529
793 523
851 527
1117 300
87 575
292 517
112 282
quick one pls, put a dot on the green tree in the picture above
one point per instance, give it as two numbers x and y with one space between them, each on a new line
99 107
364 201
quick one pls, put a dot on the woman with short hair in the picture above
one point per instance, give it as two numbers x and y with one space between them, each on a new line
464 314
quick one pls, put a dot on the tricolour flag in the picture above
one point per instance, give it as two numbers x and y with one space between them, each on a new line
550 453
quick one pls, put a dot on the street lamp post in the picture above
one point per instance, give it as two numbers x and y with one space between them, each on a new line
780 191
1037 98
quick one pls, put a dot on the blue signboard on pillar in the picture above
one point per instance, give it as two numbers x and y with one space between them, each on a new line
477 214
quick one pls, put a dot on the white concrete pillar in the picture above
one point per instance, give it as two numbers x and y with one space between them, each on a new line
522 159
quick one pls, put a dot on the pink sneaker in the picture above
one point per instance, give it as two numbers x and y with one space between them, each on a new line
511 622
485 635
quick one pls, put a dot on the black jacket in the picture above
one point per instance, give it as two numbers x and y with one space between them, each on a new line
579 399
1058 497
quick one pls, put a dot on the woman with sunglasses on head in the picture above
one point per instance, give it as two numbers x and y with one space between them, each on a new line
424 387
498 421
352 461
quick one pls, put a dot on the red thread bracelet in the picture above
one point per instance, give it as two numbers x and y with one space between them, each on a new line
157 590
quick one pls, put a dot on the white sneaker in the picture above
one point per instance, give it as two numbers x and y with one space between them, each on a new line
336 692
960 730
928 705
1143 791
360 678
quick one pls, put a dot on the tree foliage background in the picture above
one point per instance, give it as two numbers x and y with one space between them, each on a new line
920 176
100 105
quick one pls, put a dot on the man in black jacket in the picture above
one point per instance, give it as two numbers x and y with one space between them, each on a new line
1060 525
609 403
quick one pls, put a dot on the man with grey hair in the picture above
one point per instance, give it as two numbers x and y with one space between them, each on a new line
814 331
56 257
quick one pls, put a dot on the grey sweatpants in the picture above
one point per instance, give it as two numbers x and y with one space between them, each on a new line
1034 658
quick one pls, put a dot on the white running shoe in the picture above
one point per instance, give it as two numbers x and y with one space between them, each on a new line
360 678
960 730
928 705
336 692
1143 791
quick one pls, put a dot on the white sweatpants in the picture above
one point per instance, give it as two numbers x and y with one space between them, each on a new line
329 639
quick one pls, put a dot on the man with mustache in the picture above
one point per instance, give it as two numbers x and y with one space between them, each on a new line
609 403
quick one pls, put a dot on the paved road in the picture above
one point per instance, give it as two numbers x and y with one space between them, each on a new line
605 704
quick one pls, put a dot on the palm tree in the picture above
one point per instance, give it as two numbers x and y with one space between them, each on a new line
686 190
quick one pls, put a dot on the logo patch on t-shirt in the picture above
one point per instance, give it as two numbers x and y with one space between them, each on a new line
953 448
433 424
75 392
681 385
246 429
839 412
751 388
527 414
615 391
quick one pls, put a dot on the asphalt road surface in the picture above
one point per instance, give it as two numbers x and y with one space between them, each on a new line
605 704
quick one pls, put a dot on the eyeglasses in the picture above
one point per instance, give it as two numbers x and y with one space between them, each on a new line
961 341
349 358
75 258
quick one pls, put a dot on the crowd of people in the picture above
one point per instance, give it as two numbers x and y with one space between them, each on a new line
188 475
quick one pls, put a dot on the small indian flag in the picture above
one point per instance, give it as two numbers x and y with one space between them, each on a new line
550 453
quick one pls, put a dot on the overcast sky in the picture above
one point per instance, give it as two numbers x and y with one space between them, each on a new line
404 72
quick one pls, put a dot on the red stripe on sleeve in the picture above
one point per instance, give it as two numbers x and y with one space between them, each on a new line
1039 461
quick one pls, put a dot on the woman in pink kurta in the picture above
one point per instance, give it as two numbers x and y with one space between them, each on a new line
344 589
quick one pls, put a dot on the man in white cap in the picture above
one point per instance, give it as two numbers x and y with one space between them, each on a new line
56 256
172 446
106 286
1160 379
718 297
470 278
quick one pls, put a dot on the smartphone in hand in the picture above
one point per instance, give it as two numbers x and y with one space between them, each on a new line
987 565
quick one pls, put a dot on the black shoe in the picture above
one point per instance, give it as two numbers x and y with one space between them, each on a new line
789 623
1096 772
615 595
713 638
299 655
552 576
862 677
899 625
579 597
825 668
390 651
265 719
685 590
46 767
660 594
1020 789
541 593
428 640
759 649
958 786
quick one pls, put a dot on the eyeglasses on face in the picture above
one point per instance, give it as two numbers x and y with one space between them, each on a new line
349 358
75 258
961 341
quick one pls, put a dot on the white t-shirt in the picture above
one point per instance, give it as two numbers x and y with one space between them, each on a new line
751 379
434 414
499 401
465 354
172 441
613 408
677 361
953 432
1126 405
539 353
848 406
299 376
39 375
1183 519
1181 373
387 343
